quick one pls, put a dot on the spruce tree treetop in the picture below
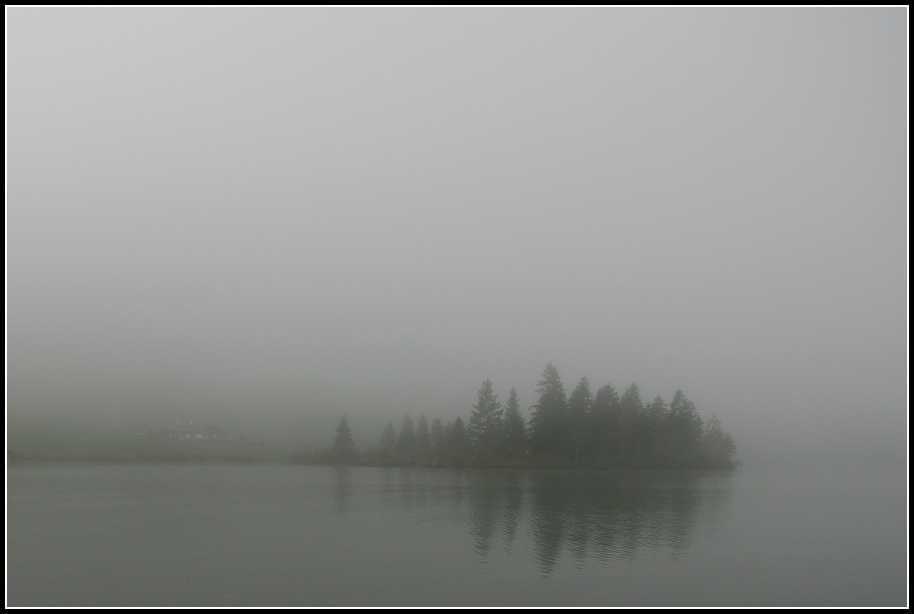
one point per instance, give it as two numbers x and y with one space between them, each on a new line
606 398
656 409
631 399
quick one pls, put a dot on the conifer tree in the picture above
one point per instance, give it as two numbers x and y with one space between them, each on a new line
515 440
686 430
343 445
604 431
630 408
486 422
579 407
548 424
436 437
423 437
406 442
652 429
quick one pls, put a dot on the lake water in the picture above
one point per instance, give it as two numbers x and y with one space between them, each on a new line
206 535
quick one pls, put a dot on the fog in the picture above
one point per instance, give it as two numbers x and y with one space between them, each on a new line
268 217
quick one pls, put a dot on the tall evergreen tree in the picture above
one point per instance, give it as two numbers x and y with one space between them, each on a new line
652 430
515 441
486 422
437 440
604 430
343 445
423 437
548 424
686 430
630 408
580 404
406 442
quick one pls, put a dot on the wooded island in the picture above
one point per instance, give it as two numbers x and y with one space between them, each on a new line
602 430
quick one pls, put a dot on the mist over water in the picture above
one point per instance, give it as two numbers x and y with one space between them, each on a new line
265 218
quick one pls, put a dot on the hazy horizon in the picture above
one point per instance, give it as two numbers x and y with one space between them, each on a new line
280 215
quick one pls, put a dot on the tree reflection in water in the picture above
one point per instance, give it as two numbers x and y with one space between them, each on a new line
342 487
600 515
586 515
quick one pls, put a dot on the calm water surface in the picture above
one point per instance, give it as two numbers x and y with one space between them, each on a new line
173 535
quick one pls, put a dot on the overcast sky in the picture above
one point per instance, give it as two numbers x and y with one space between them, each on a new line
284 212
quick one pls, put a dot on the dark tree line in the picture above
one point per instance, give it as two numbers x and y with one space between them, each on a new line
581 429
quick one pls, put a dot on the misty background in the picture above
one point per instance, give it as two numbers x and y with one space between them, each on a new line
265 218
